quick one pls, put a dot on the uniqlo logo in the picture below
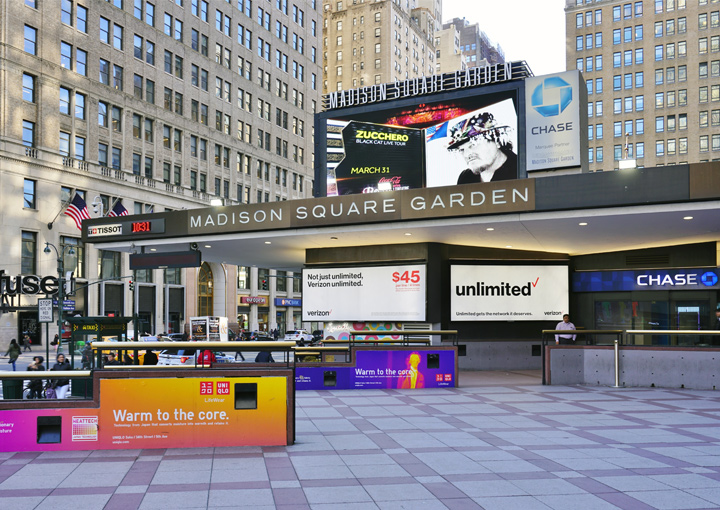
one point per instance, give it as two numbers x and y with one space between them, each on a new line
438 377
223 388
206 388
448 377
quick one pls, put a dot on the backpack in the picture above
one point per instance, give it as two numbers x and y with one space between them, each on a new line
50 392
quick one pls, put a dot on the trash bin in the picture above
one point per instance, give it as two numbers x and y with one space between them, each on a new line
82 388
12 389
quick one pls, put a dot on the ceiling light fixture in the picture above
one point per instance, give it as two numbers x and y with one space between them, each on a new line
268 242
208 246
582 224
489 229
687 217
408 234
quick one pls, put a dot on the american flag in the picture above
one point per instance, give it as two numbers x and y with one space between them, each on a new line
77 210
118 210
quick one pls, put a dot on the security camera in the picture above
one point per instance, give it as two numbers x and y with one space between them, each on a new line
193 246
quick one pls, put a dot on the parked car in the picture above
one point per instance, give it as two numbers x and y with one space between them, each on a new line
187 357
298 335
259 336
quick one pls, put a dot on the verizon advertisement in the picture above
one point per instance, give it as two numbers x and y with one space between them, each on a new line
508 293
374 294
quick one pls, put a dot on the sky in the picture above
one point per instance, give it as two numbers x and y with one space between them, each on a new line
529 30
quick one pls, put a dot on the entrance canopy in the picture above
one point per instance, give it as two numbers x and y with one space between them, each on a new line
573 214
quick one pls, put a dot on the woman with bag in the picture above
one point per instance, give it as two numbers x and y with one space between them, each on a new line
61 386
13 352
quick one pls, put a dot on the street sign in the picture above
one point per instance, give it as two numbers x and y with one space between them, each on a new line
45 310
68 305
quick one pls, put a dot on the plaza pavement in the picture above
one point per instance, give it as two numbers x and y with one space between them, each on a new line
500 441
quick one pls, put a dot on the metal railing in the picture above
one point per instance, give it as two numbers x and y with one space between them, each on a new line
590 339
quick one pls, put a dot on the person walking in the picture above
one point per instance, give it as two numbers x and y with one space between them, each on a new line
27 342
61 385
87 355
13 352
565 324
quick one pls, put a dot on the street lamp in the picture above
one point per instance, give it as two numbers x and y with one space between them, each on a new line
61 288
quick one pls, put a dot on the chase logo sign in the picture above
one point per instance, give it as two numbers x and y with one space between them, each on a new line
709 279
552 96
612 281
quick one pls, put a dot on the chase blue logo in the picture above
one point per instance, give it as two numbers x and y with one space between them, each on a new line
552 96
709 279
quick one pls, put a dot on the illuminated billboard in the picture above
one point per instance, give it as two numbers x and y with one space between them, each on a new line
514 293
383 293
447 130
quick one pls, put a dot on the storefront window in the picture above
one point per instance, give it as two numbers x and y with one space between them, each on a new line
205 291
281 281
243 275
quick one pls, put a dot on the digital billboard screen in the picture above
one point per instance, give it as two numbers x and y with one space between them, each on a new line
382 293
440 142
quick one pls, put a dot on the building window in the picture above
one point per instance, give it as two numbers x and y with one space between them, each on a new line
28 85
29 194
109 264
30 45
28 253
28 134
64 147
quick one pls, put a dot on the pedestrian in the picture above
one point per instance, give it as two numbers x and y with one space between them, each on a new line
264 357
207 358
276 334
36 385
87 354
111 359
150 358
55 340
27 343
717 318
13 352
61 386
565 338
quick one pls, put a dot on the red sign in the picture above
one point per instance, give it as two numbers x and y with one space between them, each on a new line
254 300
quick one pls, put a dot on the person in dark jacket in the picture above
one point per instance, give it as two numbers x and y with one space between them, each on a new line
150 358
36 385
87 354
13 353
62 386
264 357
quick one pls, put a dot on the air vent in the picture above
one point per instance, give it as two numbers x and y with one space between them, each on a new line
647 260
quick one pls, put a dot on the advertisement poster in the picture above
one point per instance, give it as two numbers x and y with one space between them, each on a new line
384 293
556 130
508 293
378 157
198 329
158 413
384 369
341 330
480 146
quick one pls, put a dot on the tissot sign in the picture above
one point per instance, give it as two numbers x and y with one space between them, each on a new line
508 293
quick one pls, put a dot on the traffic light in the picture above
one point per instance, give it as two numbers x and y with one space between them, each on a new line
131 284
264 285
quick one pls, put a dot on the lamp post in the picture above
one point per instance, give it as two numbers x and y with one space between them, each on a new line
61 289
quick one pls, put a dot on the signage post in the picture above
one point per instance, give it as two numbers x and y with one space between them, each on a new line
45 314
